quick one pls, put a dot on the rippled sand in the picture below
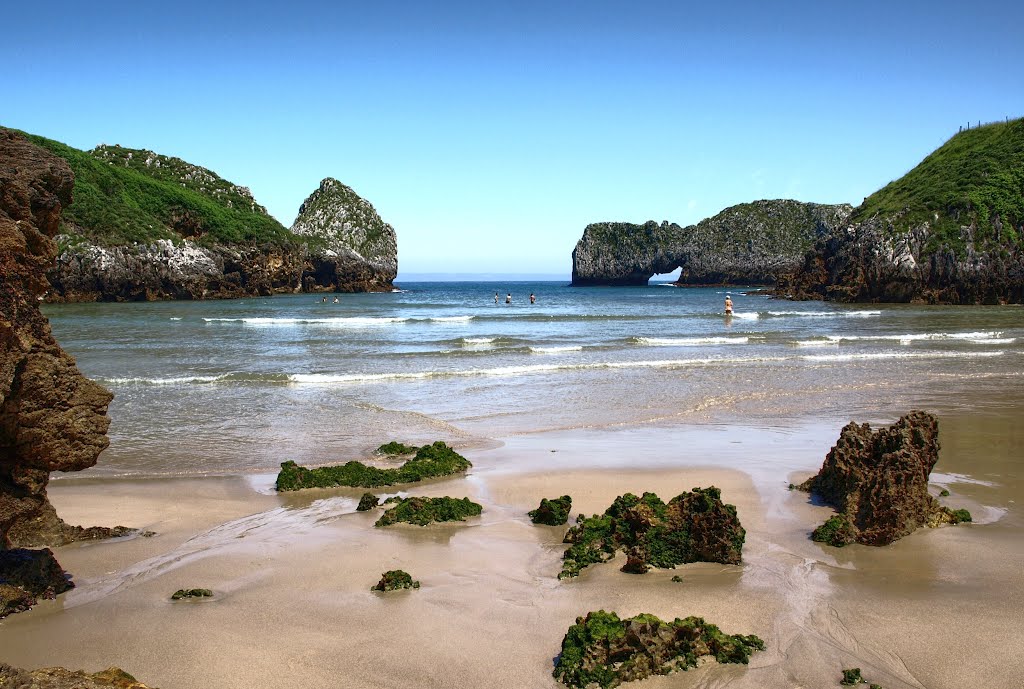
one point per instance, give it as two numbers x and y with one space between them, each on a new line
292 574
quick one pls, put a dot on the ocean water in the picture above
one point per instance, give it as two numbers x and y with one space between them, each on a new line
236 387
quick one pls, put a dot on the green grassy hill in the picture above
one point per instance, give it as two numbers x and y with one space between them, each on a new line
975 177
124 195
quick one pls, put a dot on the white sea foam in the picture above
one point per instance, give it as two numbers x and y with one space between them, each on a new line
451 319
899 355
689 341
175 318
989 337
477 340
556 350
344 321
826 314
178 380
747 315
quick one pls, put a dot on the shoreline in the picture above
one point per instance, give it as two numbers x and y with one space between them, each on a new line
291 574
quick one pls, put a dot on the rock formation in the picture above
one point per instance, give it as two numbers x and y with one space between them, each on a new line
60 678
28 575
603 650
752 243
693 527
52 418
367 502
553 512
395 580
878 482
423 511
350 248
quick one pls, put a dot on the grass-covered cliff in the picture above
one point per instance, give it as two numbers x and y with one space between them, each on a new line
976 178
124 195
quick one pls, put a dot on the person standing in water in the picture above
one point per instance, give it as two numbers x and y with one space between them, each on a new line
508 298
533 299
495 297
728 305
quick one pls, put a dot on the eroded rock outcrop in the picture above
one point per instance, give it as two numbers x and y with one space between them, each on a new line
61 678
603 650
554 512
695 526
28 575
878 482
752 243
350 248
52 418
423 511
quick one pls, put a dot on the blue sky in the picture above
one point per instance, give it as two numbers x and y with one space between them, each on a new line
490 135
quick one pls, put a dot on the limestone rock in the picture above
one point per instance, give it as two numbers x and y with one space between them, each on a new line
61 678
751 243
878 482
350 247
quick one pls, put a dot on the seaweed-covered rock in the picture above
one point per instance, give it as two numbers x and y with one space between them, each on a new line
423 511
430 461
34 573
695 526
605 650
552 512
60 678
395 580
367 502
191 593
396 448
878 482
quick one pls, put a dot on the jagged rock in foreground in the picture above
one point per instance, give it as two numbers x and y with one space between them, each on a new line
349 245
878 482
752 243
693 527
553 512
52 418
423 511
604 650
28 575
395 580
60 678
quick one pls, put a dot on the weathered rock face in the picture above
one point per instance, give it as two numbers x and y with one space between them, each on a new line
61 678
52 418
165 270
693 527
603 650
878 482
27 575
751 243
873 262
350 247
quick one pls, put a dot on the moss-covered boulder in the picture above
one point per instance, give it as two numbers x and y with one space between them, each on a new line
604 650
878 482
395 580
852 677
552 512
395 448
367 502
695 526
423 511
191 593
430 461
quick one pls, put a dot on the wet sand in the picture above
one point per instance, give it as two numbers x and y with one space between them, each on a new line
292 574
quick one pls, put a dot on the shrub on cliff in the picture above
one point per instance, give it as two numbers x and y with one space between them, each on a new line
605 650
552 512
423 511
695 526
430 461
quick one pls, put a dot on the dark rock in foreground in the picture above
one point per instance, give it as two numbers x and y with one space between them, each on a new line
27 575
852 677
604 650
423 511
191 593
552 512
60 678
430 461
693 527
395 580
878 482
367 502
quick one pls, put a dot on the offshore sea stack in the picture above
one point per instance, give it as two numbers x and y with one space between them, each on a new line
950 231
350 248
752 243
52 418
878 482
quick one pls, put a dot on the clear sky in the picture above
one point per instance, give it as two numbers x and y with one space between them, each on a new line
490 134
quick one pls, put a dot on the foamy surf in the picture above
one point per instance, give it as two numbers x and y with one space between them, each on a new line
689 341
989 337
344 321
824 314
556 350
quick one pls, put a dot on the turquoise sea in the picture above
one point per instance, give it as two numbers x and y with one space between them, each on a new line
230 387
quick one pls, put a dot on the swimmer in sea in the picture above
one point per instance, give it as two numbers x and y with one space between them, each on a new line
728 305
508 298
335 300
495 297
533 299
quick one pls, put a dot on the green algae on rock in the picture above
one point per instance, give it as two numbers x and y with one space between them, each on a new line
430 461
423 511
878 482
191 593
695 526
552 512
394 580
367 502
605 650
396 448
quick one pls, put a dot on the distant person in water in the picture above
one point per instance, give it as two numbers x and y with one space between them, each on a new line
335 300
324 300
533 299
508 298
728 305
495 297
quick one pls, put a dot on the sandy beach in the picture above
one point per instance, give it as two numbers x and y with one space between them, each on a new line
292 573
